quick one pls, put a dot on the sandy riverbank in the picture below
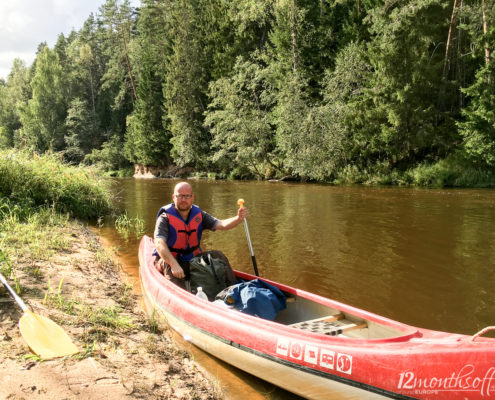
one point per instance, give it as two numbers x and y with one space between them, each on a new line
123 355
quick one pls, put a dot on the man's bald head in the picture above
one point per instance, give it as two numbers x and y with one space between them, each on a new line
183 198
181 185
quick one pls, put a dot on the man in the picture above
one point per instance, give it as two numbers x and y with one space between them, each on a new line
178 230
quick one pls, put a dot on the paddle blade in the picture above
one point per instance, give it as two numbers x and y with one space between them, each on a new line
44 337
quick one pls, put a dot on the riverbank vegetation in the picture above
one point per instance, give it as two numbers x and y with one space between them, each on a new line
29 182
382 91
39 198
59 268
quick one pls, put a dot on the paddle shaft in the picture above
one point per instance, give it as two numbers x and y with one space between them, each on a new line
240 203
253 258
14 294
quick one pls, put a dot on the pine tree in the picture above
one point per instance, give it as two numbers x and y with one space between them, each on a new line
147 140
478 125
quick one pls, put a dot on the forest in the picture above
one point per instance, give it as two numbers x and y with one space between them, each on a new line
340 91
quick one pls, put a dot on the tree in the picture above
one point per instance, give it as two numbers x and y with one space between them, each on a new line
43 118
318 142
116 34
478 124
14 94
186 86
239 121
147 141
80 131
414 121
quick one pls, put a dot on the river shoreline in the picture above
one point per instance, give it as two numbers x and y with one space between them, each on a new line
126 357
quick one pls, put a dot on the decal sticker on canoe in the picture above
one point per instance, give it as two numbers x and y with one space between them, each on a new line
311 354
466 380
327 359
283 347
315 355
296 350
344 363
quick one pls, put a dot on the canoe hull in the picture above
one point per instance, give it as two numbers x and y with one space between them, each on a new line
307 385
416 364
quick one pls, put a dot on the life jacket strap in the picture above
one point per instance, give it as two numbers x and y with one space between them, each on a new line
188 233
184 251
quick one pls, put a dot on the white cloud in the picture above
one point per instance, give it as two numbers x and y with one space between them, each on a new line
24 24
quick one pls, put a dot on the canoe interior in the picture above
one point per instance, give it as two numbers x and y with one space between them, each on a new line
308 315
315 316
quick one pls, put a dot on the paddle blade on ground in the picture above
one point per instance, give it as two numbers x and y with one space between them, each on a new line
44 337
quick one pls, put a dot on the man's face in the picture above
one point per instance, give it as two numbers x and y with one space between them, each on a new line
183 198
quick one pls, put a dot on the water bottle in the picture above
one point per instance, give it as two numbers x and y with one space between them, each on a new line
201 294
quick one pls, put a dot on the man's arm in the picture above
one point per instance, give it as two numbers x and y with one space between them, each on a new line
229 223
165 254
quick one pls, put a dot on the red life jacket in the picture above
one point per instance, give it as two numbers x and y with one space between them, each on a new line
183 236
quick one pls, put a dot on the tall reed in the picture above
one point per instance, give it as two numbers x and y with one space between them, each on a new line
31 181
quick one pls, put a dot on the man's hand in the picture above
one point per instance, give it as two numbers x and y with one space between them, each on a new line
167 259
160 266
242 213
177 270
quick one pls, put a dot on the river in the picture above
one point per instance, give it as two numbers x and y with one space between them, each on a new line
424 257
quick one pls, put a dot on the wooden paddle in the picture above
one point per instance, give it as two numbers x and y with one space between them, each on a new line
43 336
240 203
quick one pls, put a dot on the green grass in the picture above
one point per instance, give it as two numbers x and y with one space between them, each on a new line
38 196
30 181
127 226
453 171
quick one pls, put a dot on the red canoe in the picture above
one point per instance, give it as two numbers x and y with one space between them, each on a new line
320 349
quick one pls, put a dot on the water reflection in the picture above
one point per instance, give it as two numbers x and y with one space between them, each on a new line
423 257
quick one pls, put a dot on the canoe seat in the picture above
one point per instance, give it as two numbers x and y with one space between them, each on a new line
332 325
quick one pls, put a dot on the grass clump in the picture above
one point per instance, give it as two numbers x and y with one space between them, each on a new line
452 172
33 234
127 226
32 181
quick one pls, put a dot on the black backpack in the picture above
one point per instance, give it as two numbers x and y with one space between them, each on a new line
209 273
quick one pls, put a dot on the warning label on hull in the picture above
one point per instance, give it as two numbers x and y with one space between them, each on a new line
311 354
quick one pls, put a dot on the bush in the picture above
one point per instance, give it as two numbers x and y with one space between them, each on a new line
452 172
30 180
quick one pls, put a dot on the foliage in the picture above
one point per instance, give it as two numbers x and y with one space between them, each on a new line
452 171
80 128
147 140
477 126
239 119
186 85
13 96
44 115
109 157
406 100
360 90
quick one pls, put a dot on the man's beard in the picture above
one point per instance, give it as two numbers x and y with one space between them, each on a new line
183 208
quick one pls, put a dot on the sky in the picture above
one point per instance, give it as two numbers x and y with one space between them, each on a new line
24 24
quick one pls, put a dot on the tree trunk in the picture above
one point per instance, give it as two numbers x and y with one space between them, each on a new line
294 36
128 63
446 64
485 32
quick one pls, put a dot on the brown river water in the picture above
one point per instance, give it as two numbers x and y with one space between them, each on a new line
425 257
